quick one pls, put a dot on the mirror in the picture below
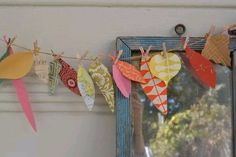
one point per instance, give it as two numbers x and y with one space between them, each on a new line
198 123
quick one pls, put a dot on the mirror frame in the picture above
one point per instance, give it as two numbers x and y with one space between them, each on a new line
124 109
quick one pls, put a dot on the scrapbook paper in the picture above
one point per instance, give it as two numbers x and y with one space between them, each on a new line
86 87
103 80
24 100
165 66
16 65
129 71
217 49
123 84
53 76
202 68
41 67
22 92
155 89
69 77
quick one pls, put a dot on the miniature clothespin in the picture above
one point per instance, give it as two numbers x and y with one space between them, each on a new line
81 58
163 53
9 41
56 56
186 42
145 54
118 56
211 32
36 48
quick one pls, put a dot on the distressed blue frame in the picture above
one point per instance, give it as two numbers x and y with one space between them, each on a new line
123 107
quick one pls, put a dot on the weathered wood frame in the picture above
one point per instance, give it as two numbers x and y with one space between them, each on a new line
123 107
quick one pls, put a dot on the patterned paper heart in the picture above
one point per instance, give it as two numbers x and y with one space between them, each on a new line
165 66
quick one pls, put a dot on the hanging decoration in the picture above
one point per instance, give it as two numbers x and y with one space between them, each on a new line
53 76
40 64
16 65
165 65
103 80
202 68
85 85
129 71
123 84
155 89
19 85
154 74
217 49
69 77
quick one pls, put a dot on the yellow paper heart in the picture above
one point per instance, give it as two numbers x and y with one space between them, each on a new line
16 65
165 66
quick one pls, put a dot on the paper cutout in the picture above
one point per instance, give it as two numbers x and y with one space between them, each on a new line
16 65
69 77
41 67
155 89
86 87
165 66
22 93
53 76
123 84
202 68
1 58
217 49
129 71
24 100
103 80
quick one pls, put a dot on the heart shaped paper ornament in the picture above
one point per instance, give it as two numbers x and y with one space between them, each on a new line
155 89
217 49
165 66
129 71
16 65
103 79
86 87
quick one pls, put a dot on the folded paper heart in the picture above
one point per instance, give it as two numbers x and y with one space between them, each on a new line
16 65
165 66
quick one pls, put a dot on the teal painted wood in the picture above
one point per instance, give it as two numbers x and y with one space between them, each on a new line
123 107
123 110
234 101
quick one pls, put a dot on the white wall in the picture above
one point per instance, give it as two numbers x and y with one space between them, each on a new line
65 127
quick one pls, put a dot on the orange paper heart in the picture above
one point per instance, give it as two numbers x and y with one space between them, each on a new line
16 65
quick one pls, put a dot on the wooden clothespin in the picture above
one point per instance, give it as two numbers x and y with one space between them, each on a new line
56 56
211 32
36 48
147 51
9 41
118 56
81 57
164 49
186 42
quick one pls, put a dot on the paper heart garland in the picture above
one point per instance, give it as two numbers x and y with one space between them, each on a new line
217 49
53 76
123 84
16 65
103 80
129 71
69 77
165 66
155 89
86 87
202 68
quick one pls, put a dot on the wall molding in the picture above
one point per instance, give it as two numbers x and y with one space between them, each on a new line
128 3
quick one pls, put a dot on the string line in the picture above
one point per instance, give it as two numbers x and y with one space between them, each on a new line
94 59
